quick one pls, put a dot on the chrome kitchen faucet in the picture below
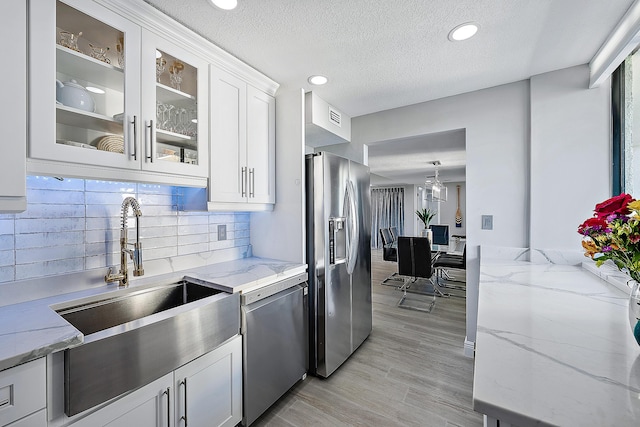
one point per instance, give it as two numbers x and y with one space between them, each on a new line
136 253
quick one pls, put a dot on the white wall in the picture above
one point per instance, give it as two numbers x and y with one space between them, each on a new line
570 155
510 151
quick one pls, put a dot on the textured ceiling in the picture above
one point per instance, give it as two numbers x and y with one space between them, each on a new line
382 55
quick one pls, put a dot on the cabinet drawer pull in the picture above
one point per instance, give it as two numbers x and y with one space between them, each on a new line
252 182
5 402
184 417
135 138
150 156
168 393
243 183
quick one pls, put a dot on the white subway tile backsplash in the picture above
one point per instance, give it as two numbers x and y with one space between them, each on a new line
6 242
73 225
158 221
193 249
149 232
193 220
48 225
114 199
55 197
221 218
189 239
193 229
51 253
7 258
159 242
101 236
7 274
110 187
39 240
52 211
159 253
48 268
156 199
7 225
50 183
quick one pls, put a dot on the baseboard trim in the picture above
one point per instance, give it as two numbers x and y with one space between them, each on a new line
469 348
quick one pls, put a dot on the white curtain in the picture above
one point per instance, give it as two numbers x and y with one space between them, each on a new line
387 210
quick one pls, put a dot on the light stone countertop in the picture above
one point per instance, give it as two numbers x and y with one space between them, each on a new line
554 347
32 329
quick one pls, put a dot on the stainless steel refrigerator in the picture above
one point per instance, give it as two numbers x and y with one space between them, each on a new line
339 258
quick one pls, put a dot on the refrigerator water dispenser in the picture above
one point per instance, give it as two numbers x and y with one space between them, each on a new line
337 240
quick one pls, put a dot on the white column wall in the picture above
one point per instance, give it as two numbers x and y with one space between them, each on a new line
497 130
281 233
570 155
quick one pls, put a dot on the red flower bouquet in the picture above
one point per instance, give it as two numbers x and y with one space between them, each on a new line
613 233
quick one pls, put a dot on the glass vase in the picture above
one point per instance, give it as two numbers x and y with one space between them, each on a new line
634 310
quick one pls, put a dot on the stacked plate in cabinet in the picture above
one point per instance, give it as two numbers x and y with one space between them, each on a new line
113 143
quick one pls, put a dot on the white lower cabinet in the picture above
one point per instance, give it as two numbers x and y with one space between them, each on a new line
209 389
22 394
149 406
205 392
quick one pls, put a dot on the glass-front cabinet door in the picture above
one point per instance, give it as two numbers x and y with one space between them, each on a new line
174 98
84 84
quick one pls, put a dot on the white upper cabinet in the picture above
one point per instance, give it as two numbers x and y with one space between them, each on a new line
242 144
95 98
13 29
175 95
261 147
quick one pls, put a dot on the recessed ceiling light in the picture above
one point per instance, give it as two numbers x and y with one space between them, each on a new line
94 89
224 4
317 80
463 32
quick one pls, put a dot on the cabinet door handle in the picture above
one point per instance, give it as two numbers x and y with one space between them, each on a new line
150 156
184 417
243 184
168 393
252 182
135 137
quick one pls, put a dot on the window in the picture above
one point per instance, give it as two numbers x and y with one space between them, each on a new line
625 100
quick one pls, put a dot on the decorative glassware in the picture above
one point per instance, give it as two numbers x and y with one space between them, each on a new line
161 65
70 40
99 53
634 310
120 51
175 74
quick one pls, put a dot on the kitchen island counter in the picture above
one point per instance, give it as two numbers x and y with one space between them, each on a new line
32 329
553 347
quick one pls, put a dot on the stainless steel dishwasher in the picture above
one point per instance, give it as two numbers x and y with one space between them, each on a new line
275 343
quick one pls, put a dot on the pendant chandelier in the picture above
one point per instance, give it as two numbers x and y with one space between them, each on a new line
437 190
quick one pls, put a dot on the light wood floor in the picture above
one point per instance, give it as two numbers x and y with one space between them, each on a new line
411 371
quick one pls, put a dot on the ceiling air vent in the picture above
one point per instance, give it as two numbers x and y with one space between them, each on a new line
335 117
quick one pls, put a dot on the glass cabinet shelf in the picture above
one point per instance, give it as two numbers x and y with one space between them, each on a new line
177 139
81 66
87 120
169 95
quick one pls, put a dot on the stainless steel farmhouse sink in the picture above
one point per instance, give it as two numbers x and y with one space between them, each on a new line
135 336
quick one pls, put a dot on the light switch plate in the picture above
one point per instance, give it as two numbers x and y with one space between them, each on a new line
487 222
222 232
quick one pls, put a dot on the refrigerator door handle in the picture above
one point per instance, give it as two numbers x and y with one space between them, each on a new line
353 231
